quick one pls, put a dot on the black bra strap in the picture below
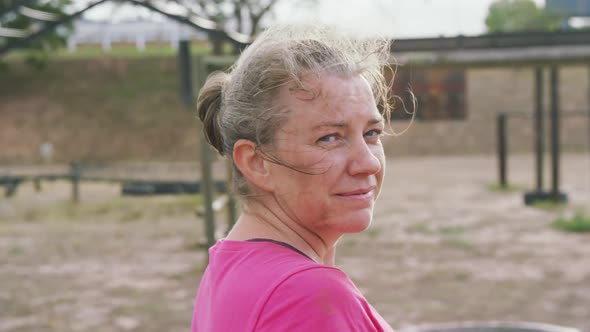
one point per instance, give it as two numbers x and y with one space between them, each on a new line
286 245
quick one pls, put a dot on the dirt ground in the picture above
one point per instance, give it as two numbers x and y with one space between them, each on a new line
444 246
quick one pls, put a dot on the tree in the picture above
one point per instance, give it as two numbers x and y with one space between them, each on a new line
243 16
220 18
28 16
520 15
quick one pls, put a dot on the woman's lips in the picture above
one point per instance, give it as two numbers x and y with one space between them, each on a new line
362 191
365 194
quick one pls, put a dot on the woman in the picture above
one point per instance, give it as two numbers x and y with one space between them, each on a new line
298 117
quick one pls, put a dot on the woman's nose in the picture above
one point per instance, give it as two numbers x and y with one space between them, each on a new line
364 159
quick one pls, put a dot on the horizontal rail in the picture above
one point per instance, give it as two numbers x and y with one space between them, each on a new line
492 41
525 114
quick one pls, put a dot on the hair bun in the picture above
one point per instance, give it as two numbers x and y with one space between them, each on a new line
209 108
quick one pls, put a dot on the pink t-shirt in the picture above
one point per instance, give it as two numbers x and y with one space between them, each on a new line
264 286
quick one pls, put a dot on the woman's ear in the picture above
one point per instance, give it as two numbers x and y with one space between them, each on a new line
251 164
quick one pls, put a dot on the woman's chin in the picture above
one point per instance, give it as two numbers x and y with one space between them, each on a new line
358 222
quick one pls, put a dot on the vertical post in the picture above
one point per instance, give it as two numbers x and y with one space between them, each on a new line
502 147
75 170
186 90
555 133
11 187
539 126
206 176
184 66
37 183
588 106
207 191
216 38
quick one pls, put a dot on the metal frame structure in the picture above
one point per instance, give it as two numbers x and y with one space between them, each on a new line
493 41
204 66
485 50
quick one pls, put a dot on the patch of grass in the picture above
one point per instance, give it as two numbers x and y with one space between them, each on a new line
419 228
452 230
121 209
373 232
549 205
181 201
579 223
461 276
133 100
16 250
131 215
117 50
458 243
452 237
498 188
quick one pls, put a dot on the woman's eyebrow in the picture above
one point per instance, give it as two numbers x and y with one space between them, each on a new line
330 124
340 124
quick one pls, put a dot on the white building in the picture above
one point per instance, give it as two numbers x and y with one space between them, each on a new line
137 31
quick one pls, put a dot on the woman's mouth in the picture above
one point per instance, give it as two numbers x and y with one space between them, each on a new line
364 194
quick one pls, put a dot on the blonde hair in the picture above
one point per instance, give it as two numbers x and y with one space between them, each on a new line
240 104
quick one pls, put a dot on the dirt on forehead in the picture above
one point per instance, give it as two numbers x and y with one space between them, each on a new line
444 246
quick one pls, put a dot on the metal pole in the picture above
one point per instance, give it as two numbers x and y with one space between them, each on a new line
75 170
184 65
184 61
502 148
555 133
588 107
206 177
37 183
539 126
207 191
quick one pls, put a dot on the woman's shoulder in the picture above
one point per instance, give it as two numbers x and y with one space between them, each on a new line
268 252
263 264
276 271
277 266
318 280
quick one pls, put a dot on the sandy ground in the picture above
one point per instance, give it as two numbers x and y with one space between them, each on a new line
443 247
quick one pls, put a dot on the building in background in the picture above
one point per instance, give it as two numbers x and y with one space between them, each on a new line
139 32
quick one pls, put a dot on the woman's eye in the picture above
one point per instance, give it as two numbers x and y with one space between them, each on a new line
328 138
373 133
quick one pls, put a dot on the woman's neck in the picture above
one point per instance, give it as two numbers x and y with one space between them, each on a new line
261 220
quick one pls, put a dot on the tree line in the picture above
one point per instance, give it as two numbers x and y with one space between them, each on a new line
243 16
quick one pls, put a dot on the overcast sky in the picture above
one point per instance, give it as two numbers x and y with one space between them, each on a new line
391 18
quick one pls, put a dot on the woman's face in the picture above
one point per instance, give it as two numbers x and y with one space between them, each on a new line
334 141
